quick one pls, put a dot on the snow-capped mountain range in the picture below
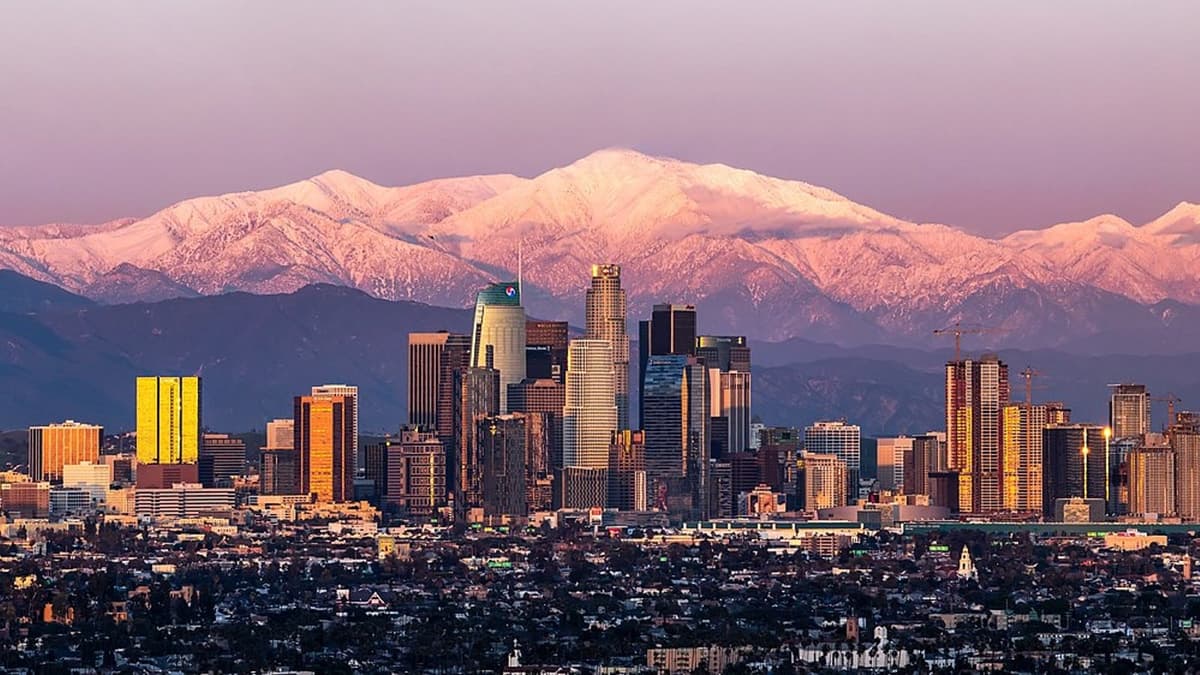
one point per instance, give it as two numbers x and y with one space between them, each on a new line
763 256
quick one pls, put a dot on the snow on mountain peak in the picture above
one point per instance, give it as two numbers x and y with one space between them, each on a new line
684 231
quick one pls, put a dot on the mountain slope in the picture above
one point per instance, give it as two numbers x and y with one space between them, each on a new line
19 294
254 351
770 257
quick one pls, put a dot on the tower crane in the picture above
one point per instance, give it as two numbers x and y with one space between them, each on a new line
1170 399
958 329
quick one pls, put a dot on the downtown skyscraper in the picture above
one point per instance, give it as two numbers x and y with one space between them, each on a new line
605 316
671 330
590 411
976 390
499 329
425 374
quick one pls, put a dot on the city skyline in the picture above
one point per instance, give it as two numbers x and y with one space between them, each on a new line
623 338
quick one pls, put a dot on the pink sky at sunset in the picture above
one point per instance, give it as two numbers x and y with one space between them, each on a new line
992 116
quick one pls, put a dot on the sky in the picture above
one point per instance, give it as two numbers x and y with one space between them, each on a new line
992 116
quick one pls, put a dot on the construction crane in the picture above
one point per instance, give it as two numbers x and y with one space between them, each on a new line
958 330
1170 399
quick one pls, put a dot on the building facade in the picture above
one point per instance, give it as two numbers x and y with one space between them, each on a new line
425 375
221 459
627 489
605 314
324 438
416 473
1074 465
53 446
1152 481
825 481
670 331
1021 452
1129 411
590 410
976 390
499 330
841 440
168 420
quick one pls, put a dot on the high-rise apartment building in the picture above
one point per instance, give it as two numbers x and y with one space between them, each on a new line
168 420
1074 464
499 327
590 410
324 437
350 393
425 374
825 481
671 330
550 336
221 458
53 446
1129 411
1152 481
605 316
544 396
976 390
1021 452
841 440
1186 445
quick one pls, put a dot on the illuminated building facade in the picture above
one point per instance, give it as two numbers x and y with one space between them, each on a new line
976 390
168 420
324 439
499 329
54 446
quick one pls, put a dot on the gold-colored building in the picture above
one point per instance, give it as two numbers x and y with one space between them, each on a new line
324 428
55 445
168 420
1021 451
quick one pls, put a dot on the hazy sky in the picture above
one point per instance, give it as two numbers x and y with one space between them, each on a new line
990 115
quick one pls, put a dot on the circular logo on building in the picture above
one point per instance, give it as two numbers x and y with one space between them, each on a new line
511 291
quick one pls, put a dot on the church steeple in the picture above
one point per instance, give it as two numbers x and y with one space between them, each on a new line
966 566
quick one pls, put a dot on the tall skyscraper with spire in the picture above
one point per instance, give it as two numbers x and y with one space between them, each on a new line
499 327
606 321
976 391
